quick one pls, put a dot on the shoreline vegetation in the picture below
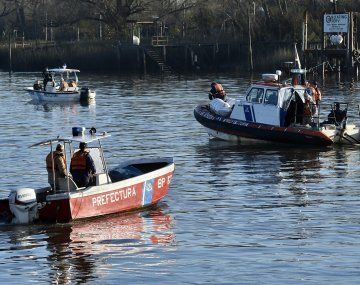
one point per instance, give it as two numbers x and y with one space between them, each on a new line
152 35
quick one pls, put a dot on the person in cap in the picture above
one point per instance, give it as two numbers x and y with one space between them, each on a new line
82 167
56 165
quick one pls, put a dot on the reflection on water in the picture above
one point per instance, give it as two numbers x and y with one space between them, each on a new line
75 251
63 106
269 166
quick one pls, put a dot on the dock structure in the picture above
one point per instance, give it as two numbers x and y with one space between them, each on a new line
339 47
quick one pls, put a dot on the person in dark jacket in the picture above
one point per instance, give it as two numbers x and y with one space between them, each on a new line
82 167
56 164
47 77
336 115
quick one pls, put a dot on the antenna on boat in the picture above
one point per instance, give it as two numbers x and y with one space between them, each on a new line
278 73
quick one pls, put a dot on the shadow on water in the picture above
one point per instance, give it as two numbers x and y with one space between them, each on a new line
75 249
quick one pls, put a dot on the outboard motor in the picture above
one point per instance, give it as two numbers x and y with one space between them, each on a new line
86 94
23 205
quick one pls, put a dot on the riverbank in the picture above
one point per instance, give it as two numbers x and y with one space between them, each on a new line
118 58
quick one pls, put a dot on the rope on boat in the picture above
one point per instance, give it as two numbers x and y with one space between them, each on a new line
327 63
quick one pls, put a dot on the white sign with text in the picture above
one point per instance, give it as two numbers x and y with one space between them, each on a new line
336 23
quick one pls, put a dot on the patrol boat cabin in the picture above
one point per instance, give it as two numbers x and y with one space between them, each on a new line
270 103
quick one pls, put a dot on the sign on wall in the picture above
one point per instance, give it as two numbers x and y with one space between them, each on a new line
336 23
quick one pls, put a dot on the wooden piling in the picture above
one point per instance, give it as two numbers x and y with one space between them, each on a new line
186 56
251 65
144 60
10 59
164 53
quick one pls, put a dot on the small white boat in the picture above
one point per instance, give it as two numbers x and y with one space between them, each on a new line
61 85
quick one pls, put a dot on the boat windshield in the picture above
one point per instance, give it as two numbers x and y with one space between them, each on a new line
69 75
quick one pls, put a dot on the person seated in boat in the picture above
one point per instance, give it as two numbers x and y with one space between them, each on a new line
72 83
82 167
217 91
47 78
37 85
63 85
336 115
56 164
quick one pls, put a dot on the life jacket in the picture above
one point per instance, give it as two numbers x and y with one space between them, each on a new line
78 161
307 110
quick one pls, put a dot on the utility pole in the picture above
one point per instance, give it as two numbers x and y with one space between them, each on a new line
10 60
46 28
100 26
251 64
51 32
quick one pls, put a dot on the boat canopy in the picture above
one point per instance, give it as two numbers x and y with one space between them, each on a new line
86 138
63 70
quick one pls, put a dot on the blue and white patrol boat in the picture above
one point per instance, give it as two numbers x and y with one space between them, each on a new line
276 112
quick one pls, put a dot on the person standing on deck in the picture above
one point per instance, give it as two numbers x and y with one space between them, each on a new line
47 77
315 92
82 167
56 164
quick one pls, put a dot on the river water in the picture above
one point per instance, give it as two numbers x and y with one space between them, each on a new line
234 214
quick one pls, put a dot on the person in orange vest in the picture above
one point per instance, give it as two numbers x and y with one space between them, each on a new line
82 167
56 164
314 92
217 91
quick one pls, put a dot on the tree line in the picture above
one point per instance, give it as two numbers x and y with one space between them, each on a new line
180 20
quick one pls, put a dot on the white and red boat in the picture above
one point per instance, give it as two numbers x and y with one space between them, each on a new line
274 112
54 91
132 185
